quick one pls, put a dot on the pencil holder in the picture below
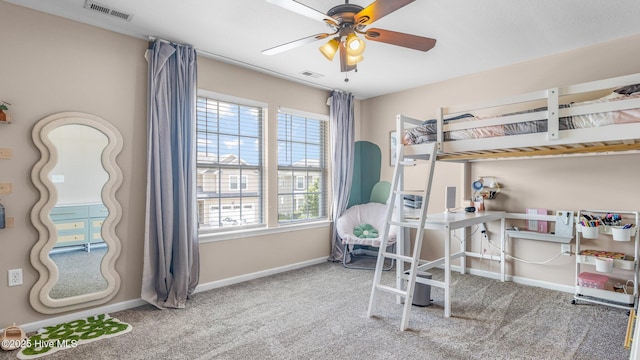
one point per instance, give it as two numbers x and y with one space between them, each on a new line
604 265
621 234
589 232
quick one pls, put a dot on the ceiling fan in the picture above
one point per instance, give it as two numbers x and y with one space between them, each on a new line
346 21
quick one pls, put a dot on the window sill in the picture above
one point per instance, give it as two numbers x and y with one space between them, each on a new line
241 234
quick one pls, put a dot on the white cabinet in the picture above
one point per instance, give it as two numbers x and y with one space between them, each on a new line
78 225
607 258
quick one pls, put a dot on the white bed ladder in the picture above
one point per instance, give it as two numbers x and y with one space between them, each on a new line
396 218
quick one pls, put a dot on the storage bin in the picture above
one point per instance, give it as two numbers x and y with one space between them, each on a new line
621 234
592 280
422 292
589 232
604 264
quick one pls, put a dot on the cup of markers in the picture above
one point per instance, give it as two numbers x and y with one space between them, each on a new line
622 233
589 227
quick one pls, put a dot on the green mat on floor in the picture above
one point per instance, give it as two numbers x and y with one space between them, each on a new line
72 334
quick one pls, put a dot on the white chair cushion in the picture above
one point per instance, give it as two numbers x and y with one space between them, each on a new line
374 214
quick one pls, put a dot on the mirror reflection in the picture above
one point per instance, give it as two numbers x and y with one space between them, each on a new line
77 213
78 177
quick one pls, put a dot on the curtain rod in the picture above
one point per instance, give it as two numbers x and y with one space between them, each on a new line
154 38
244 64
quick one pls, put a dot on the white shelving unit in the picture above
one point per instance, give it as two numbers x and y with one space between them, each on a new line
625 268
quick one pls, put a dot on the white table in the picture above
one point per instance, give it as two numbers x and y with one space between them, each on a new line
449 222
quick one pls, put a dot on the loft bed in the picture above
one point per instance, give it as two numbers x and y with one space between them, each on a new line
598 117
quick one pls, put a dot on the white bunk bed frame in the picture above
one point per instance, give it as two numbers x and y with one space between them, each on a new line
611 139
614 138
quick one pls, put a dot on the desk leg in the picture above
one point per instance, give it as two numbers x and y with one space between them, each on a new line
463 248
503 240
447 271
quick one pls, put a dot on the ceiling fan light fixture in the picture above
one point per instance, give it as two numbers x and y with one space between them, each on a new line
330 48
346 21
354 60
355 45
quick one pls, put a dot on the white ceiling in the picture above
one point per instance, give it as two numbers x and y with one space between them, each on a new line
471 35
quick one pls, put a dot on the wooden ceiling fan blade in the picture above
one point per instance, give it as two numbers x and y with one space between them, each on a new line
294 44
344 66
400 39
379 9
302 9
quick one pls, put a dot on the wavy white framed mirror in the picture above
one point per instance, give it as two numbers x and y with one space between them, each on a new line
77 213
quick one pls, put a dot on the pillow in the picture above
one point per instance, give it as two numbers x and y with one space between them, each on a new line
628 90
365 231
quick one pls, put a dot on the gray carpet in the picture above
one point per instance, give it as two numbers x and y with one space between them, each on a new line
78 273
319 312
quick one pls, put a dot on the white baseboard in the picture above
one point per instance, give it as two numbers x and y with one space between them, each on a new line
110 308
519 280
256 275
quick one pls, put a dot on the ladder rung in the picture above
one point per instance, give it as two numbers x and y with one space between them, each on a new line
412 224
410 192
391 290
397 256
414 162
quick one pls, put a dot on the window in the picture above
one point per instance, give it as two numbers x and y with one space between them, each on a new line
302 172
230 143
233 182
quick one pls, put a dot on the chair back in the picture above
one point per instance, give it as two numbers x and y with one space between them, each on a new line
380 192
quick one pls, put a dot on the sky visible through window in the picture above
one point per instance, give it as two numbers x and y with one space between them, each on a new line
299 141
237 127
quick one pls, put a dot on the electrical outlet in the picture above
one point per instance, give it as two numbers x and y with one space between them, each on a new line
15 277
565 249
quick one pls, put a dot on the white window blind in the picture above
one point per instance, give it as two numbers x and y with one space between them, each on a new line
302 169
229 164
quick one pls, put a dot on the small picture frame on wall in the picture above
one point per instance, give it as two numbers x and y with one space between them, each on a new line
393 144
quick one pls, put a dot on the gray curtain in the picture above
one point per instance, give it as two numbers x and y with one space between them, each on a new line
171 254
342 124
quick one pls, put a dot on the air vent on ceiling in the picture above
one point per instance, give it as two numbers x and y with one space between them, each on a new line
311 74
106 10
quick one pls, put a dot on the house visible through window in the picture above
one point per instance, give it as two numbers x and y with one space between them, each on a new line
229 163
302 171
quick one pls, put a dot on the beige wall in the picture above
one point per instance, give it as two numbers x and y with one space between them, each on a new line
605 182
50 65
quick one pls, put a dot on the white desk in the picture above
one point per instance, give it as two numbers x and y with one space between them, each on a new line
448 222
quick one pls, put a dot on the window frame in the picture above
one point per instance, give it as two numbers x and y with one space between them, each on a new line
241 182
322 169
304 182
261 193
